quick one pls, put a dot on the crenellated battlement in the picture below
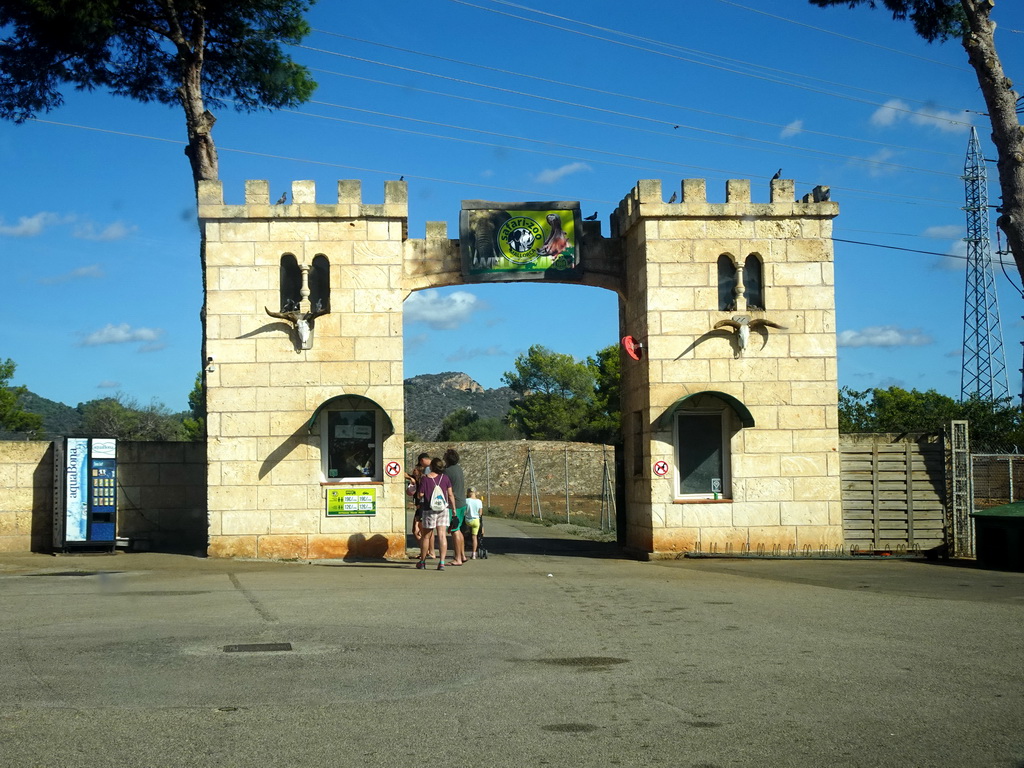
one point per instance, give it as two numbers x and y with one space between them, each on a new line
646 200
303 202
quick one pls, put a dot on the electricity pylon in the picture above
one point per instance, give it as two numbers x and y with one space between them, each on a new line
984 364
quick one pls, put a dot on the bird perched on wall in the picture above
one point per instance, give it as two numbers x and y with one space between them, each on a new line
778 175
673 198
592 217
281 200
742 325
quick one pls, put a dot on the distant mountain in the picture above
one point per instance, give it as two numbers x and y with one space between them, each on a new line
428 399
432 396
58 419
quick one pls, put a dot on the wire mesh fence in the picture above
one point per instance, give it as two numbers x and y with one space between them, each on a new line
551 481
997 479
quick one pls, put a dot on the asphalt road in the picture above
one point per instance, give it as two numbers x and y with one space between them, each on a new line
553 652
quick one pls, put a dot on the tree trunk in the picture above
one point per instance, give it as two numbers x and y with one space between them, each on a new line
201 152
1007 134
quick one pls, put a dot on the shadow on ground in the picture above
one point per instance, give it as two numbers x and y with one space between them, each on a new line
507 545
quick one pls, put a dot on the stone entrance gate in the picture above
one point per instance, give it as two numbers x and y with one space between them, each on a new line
729 414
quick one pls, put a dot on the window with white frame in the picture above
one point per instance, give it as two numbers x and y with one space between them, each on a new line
702 453
350 445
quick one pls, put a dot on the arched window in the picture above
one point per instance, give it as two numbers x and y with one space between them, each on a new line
291 283
726 283
320 284
753 282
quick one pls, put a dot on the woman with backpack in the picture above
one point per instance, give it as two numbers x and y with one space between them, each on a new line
436 502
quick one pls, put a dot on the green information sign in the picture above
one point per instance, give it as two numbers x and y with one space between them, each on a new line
351 501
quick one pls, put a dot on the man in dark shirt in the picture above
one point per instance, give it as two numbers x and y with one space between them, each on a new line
454 472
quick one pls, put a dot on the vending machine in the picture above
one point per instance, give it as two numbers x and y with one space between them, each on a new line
84 493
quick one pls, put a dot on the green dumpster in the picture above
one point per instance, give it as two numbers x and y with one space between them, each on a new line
999 536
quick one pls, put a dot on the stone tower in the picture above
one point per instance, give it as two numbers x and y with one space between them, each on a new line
742 422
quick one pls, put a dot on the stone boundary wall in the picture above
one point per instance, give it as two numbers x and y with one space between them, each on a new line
161 496
498 468
26 496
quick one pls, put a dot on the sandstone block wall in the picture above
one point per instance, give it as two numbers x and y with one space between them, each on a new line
26 496
161 496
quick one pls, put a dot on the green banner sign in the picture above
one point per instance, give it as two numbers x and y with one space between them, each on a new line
520 241
351 501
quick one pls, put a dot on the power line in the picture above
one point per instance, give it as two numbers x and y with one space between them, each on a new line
575 23
898 248
564 83
787 147
307 161
845 37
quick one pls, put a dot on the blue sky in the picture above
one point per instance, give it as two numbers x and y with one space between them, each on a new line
485 99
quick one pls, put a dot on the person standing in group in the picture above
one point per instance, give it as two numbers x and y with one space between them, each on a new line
421 468
474 512
436 501
458 479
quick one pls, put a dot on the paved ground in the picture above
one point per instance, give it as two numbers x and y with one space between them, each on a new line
119 661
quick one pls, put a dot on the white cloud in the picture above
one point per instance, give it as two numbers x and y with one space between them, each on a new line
956 258
890 112
30 226
108 384
883 336
442 313
797 126
553 175
93 270
115 231
468 354
33 226
122 334
943 119
877 162
897 110
944 232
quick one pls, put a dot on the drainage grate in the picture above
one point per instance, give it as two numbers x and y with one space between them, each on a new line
257 647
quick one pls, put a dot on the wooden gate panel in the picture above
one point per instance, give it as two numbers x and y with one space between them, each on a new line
893 491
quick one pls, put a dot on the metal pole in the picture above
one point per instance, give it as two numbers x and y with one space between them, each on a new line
526 468
534 491
487 474
567 484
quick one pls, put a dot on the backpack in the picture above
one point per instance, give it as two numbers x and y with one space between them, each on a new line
438 502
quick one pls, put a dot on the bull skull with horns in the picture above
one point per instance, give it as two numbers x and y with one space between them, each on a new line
742 325
302 321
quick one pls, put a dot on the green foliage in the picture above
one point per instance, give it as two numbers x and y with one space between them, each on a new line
932 19
193 54
606 422
464 426
13 417
123 418
995 425
194 425
138 49
555 395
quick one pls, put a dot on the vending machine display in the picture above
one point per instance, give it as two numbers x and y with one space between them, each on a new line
85 493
